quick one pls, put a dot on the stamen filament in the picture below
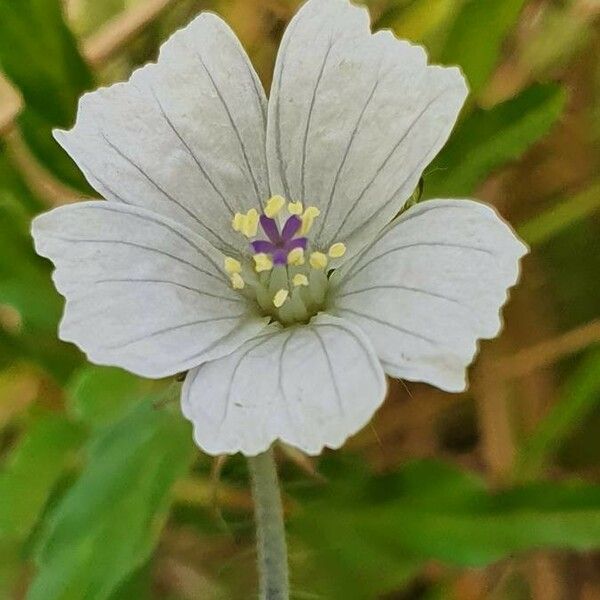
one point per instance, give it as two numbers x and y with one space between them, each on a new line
295 208
318 283
308 218
277 277
263 262
274 206
232 265
280 297
238 222
318 260
296 257
337 250
300 280
251 223
237 282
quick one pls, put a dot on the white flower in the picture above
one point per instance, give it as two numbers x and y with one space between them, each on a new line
253 243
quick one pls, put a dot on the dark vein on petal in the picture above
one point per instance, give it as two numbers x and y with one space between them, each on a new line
351 141
276 97
419 168
150 180
265 338
400 288
250 70
280 378
190 151
386 161
168 282
212 345
391 325
140 247
352 275
409 216
424 209
150 335
160 223
257 89
374 364
103 184
309 118
331 372
233 125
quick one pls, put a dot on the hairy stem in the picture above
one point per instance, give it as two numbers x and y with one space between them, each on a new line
270 530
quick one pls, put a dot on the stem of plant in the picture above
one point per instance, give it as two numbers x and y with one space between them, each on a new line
270 529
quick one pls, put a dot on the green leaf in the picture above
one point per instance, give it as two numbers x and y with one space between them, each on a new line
475 39
488 139
108 523
10 564
579 397
40 311
16 251
13 188
101 395
32 471
561 215
415 20
429 510
39 54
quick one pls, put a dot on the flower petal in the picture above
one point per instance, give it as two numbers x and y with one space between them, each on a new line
430 288
184 137
143 292
310 386
354 119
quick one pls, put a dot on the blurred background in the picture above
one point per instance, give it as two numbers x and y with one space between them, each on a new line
493 494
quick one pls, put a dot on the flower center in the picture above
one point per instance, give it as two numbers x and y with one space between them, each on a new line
277 274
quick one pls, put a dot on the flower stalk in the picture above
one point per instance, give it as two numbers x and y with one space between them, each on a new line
270 529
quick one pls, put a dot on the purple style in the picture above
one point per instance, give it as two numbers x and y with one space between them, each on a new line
281 244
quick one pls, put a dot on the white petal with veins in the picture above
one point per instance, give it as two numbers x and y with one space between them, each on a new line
354 119
184 137
143 292
430 287
310 386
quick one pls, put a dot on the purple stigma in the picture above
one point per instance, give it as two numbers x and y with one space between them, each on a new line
279 245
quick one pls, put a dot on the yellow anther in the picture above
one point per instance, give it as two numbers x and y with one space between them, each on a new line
232 266
318 260
296 257
238 222
295 208
237 282
250 226
308 218
280 297
337 250
263 262
274 206
300 279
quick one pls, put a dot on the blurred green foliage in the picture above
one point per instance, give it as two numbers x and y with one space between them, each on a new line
364 525
488 139
39 54
90 466
109 521
476 35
